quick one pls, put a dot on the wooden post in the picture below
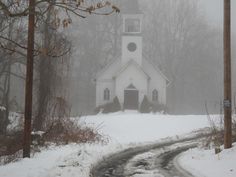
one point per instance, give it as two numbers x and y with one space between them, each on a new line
227 78
29 81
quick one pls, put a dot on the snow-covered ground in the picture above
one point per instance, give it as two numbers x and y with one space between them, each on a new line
124 129
2 108
133 127
205 163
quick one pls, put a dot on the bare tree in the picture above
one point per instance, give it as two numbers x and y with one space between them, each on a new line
55 43
38 9
178 39
5 75
97 43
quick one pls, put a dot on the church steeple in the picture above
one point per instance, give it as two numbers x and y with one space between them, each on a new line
132 32
132 17
131 7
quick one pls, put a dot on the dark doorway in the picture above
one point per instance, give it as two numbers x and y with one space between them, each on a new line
131 98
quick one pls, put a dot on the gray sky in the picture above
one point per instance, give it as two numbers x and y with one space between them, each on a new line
214 10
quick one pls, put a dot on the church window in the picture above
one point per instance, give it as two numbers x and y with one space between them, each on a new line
132 47
106 94
155 95
132 25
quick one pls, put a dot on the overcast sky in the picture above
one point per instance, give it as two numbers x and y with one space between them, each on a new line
214 10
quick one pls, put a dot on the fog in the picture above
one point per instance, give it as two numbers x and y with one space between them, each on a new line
182 40
214 12
201 79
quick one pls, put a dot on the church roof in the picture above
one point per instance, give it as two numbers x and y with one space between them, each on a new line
131 62
119 68
115 61
150 63
131 7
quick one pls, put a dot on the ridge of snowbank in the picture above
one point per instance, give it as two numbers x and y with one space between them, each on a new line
205 163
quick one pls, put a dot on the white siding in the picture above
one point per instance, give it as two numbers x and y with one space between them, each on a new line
131 75
101 85
126 54
105 80
157 82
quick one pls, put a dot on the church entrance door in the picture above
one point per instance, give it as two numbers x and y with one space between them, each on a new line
131 98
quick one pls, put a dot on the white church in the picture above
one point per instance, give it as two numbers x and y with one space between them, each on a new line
131 76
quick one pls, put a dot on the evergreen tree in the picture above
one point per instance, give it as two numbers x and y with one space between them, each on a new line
116 105
145 105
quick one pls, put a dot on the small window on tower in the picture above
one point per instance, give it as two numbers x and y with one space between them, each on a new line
106 94
132 25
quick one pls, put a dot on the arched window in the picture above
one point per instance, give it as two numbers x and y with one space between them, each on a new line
155 95
106 94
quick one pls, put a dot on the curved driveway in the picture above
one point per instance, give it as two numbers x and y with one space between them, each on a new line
157 160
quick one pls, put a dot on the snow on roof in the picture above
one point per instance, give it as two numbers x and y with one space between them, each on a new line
112 62
131 62
117 62
157 69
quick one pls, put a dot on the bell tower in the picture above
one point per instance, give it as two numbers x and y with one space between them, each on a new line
132 32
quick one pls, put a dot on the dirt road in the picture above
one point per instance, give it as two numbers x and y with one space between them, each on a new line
157 160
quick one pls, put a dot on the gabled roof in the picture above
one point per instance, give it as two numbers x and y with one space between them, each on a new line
113 62
119 68
131 86
157 69
129 63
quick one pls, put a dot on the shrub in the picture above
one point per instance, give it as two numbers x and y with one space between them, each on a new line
106 108
116 105
10 144
65 131
157 107
98 109
145 105
109 107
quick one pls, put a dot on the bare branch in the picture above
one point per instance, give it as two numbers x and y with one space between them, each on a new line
13 42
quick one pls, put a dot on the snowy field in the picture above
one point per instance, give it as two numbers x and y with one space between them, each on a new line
124 129
133 127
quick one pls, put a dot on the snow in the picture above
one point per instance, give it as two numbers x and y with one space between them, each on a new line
2 108
151 160
64 161
132 127
16 122
124 129
40 133
205 163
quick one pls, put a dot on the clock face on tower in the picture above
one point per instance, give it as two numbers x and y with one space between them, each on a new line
131 46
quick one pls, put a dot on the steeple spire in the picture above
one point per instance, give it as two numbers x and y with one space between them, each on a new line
131 7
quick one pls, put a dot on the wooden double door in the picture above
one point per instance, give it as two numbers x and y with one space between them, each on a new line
131 99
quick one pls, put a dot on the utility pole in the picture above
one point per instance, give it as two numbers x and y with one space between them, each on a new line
227 77
29 81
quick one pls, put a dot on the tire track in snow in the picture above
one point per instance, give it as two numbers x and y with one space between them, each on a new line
164 164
